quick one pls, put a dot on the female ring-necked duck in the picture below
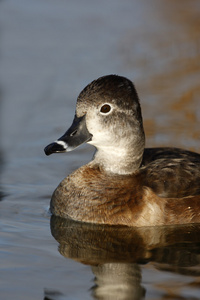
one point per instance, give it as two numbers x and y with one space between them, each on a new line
125 183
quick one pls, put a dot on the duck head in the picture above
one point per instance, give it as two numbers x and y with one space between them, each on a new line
108 116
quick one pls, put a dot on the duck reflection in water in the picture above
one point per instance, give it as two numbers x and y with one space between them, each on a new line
125 183
117 253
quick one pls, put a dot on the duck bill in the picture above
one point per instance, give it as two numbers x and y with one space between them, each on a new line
76 135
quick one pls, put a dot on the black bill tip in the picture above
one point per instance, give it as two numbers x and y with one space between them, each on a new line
54 147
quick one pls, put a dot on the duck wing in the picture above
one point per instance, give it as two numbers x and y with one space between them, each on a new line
171 172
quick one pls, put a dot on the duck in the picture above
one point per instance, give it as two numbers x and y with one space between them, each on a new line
125 183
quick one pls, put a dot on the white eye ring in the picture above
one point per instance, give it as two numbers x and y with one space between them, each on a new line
105 109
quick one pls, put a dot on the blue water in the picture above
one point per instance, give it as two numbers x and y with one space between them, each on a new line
49 50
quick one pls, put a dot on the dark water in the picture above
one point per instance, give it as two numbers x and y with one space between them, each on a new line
49 50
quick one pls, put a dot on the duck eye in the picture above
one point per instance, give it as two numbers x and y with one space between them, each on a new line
105 108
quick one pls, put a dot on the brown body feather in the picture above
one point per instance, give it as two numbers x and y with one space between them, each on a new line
156 194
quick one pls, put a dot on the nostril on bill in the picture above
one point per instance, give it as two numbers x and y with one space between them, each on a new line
73 133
